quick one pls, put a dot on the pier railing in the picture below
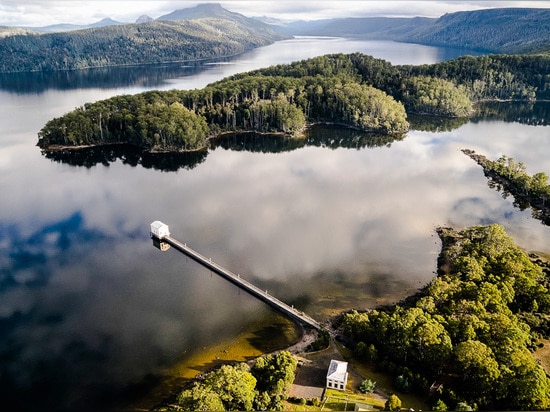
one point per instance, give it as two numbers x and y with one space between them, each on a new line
236 279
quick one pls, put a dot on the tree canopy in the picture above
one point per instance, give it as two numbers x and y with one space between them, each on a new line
353 90
144 43
473 326
239 387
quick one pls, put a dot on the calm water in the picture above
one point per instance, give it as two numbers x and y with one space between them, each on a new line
88 305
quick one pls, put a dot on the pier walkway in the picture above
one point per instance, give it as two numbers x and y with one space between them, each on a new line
288 311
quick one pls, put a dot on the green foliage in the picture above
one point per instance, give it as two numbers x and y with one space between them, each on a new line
200 398
262 401
275 373
237 387
436 96
529 191
393 403
366 352
352 90
467 323
367 386
146 43
228 388
504 30
440 406
463 407
493 77
402 384
322 341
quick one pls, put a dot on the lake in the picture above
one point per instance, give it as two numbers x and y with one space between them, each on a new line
91 312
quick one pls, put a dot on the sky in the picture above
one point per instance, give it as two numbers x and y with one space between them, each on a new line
34 13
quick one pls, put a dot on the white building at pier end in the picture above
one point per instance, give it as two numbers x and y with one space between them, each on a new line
159 229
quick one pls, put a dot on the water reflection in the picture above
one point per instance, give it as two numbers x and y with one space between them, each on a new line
199 74
129 155
89 308
103 78
324 136
82 322
522 200
529 113
332 137
436 124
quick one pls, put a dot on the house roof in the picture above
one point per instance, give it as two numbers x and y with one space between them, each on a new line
337 370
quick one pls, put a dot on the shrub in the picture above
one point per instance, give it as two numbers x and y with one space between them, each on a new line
367 386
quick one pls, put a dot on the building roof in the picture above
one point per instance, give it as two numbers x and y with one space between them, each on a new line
337 370
157 224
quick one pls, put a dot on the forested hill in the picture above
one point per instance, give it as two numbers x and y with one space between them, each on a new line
495 30
209 35
509 30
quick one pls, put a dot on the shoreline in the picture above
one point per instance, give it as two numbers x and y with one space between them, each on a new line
297 136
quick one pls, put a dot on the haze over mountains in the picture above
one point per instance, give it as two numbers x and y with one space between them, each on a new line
209 31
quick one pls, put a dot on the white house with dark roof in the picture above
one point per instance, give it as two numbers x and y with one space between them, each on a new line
337 375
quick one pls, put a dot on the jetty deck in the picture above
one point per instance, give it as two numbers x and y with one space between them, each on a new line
289 311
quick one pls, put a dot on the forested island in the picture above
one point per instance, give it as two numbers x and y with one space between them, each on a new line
352 90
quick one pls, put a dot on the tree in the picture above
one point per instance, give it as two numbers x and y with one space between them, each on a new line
440 406
433 344
436 96
463 407
476 362
525 384
393 403
539 185
402 383
262 402
200 398
234 385
275 373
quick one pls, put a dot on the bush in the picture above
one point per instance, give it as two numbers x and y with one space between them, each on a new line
367 386
321 342
402 384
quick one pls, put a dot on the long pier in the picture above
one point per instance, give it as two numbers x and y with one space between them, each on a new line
288 311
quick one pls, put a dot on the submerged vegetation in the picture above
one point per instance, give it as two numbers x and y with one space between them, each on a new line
467 338
353 90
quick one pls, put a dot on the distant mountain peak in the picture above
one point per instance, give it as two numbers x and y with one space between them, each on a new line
143 19
107 21
197 12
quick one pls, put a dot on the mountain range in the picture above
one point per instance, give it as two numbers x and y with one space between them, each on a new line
201 11
203 32
210 31
505 30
